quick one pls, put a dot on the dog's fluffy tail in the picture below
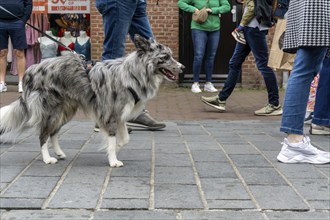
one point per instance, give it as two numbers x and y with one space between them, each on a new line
13 120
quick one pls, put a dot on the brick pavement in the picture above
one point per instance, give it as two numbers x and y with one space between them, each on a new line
204 165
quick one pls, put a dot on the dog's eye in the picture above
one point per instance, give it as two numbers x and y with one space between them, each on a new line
166 57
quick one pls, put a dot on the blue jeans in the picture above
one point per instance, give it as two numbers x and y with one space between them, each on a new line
202 40
321 114
255 42
307 64
121 17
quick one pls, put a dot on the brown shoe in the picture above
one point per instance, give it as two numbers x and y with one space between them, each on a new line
144 120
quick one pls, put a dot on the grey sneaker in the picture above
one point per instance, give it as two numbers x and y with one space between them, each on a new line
269 109
318 129
305 152
97 129
144 120
214 102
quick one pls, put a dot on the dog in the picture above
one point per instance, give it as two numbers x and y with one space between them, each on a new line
112 93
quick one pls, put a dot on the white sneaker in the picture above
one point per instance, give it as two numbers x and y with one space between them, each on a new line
208 87
303 152
20 87
195 88
3 87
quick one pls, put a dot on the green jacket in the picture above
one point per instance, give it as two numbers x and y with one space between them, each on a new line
249 13
213 21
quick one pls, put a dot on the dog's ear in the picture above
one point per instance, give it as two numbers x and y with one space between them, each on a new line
141 43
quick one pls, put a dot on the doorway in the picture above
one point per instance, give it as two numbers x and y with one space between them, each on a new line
229 22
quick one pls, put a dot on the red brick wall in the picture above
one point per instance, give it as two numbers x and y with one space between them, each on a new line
164 19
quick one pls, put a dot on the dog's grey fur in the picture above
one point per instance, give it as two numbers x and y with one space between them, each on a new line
112 93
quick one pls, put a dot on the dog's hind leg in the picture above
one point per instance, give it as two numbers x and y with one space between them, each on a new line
111 150
57 147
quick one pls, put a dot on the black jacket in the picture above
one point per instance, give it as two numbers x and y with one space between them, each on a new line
263 10
20 8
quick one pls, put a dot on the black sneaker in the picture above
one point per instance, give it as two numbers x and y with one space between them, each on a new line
144 120
239 36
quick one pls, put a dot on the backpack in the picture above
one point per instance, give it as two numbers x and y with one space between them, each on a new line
263 10
281 7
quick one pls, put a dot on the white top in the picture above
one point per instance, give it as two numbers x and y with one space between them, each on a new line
46 40
83 38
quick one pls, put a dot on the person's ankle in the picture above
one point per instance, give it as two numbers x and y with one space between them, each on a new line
295 138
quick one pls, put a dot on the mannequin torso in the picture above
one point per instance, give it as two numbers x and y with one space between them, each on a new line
48 47
83 45
68 41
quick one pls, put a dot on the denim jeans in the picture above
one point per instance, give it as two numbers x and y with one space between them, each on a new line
256 42
307 64
121 17
321 114
202 40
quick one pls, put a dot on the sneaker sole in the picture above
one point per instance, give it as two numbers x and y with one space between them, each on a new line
214 106
319 132
300 159
131 124
238 40
206 90
274 113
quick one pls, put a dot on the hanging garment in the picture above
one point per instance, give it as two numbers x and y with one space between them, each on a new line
84 49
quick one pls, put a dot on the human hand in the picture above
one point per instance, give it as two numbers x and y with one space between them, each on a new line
209 10
196 11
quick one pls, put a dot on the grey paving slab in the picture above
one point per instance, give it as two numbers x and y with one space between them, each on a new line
171 148
215 170
277 197
313 189
8 173
47 214
17 159
177 196
133 169
179 175
209 155
21 203
128 187
261 176
300 171
254 160
221 215
125 204
239 149
230 204
173 160
289 215
133 154
135 215
209 145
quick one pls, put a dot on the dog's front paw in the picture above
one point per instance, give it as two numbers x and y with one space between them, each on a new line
50 160
116 163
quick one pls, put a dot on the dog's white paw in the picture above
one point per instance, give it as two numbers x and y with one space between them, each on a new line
50 160
116 163
61 156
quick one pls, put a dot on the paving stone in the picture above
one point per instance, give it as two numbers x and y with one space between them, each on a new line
320 204
8 173
173 160
31 187
261 176
224 189
181 175
239 149
21 203
165 139
253 160
277 197
128 187
126 203
289 215
269 145
230 204
221 215
132 154
133 169
170 148
209 156
26 147
135 215
47 214
300 171
215 170
313 189
17 159
210 145
144 144
177 196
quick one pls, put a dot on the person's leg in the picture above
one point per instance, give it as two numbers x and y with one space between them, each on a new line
18 38
322 101
3 55
117 17
199 39
297 147
211 51
140 22
235 68
257 41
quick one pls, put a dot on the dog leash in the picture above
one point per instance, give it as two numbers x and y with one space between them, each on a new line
43 33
